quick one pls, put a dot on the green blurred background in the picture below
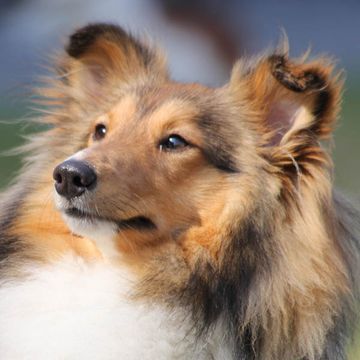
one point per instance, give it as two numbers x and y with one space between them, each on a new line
202 38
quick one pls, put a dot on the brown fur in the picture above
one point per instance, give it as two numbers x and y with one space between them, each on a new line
247 231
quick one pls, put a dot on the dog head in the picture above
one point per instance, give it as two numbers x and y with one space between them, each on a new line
220 197
161 161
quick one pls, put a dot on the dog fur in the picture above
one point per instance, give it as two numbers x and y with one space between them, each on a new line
234 246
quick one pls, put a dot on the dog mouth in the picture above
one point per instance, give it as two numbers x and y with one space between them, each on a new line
137 222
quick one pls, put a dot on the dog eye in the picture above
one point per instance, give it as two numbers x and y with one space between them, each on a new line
173 142
100 132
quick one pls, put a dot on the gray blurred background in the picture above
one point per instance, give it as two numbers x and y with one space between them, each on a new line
202 38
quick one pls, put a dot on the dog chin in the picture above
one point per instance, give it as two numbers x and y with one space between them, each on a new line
92 229
102 232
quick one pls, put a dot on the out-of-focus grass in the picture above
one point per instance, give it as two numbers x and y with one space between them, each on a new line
347 163
11 129
354 350
347 141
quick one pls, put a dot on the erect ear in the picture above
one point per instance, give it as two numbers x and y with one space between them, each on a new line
291 97
104 55
294 105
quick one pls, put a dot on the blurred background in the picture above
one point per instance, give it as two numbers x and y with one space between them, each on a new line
202 39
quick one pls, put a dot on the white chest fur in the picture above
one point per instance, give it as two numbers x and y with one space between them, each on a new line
73 310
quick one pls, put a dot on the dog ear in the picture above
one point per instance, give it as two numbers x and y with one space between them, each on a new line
292 105
104 55
291 98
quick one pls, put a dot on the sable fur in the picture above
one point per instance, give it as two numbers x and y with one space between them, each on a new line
249 236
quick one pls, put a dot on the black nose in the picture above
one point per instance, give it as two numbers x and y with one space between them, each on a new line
73 177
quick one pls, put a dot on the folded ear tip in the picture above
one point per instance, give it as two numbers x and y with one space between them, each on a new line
84 37
297 78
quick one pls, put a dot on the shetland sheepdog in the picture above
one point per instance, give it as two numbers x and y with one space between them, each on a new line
161 220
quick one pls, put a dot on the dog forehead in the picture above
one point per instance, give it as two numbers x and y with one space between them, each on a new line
181 96
170 101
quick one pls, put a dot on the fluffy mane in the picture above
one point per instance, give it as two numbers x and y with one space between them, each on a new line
276 269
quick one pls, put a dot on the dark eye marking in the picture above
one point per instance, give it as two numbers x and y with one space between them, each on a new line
173 142
100 132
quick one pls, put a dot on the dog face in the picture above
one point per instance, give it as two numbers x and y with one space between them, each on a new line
163 161
156 164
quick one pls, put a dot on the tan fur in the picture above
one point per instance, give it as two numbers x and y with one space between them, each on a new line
194 205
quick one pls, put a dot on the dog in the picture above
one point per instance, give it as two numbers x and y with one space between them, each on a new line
161 220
